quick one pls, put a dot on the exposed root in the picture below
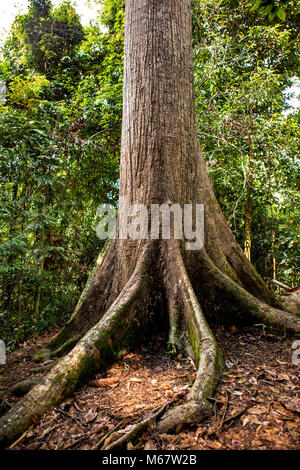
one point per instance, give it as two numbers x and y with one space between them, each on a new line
126 321
21 388
114 334
45 367
199 342
65 347
136 429
242 303
109 433
190 412
90 307
291 303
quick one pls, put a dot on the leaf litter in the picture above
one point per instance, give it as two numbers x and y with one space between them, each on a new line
256 404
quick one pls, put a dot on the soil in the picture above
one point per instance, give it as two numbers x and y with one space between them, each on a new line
256 404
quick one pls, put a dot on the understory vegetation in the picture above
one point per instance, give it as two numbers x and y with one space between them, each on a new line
60 127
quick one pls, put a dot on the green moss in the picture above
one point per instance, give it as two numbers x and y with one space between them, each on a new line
41 356
212 381
107 354
194 342
63 336
87 369
58 378
65 347
228 268
58 345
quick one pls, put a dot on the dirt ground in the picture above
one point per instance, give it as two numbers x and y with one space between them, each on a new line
256 405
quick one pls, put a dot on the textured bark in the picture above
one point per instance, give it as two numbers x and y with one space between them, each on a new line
161 162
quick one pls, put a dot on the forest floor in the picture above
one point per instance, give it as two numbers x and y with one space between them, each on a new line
256 405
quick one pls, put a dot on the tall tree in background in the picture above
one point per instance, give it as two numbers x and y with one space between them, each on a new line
58 176
49 35
137 282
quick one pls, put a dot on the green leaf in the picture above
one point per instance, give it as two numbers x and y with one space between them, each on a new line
256 5
281 13
272 15
40 132
267 10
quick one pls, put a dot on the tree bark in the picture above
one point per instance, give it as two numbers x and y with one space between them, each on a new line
161 163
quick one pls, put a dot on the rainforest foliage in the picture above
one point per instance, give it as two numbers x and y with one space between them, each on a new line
60 125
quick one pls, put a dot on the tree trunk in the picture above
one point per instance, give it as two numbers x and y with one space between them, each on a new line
248 223
161 163
249 202
274 264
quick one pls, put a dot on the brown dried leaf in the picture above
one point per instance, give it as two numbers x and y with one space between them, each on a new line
250 419
101 383
90 416
291 403
283 377
150 445
257 410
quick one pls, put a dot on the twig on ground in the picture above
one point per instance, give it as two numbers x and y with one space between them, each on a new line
21 437
103 439
218 429
74 418
224 413
235 415
136 429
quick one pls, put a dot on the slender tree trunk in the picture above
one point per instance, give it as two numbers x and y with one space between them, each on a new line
249 202
20 294
274 264
8 287
248 223
40 238
20 305
161 163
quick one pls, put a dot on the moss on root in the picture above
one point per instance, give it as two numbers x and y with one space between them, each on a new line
194 341
41 356
66 334
65 347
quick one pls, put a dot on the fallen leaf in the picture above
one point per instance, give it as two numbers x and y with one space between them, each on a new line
104 382
283 377
241 381
257 410
114 371
150 446
251 420
90 416
291 403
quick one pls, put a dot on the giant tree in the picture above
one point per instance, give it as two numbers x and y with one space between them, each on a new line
139 282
